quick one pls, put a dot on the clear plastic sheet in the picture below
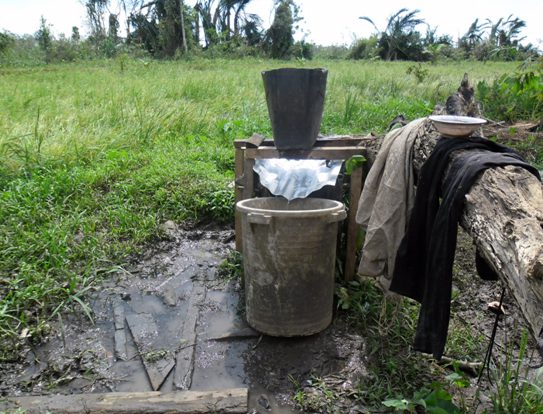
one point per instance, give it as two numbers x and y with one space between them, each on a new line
296 178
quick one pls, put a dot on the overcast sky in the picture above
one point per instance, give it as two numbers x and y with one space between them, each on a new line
325 21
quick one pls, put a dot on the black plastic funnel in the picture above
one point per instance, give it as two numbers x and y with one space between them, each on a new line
295 99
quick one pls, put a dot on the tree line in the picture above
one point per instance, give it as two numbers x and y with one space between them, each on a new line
173 28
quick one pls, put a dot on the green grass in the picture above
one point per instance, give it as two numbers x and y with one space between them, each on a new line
95 155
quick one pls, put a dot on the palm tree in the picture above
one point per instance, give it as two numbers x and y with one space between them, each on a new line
227 18
508 32
203 8
239 13
474 35
399 34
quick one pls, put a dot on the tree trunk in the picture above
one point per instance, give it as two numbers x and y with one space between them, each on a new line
183 34
504 215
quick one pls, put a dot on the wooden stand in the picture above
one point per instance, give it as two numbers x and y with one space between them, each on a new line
327 148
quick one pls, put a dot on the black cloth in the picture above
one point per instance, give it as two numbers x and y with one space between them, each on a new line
423 267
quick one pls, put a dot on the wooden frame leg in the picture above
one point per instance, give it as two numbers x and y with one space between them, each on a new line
238 173
352 226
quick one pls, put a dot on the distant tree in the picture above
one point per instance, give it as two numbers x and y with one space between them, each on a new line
45 38
364 48
145 32
6 40
222 20
129 8
96 10
495 40
280 33
505 32
400 40
171 22
113 28
203 9
252 30
183 28
76 37
473 36
240 17
163 27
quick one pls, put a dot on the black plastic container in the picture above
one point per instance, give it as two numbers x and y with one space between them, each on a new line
295 99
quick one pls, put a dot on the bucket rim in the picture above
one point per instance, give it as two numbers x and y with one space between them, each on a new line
337 207
299 70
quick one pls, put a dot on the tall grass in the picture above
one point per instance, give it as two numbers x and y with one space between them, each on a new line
94 156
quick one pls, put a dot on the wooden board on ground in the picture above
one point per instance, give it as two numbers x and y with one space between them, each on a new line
184 366
155 355
181 402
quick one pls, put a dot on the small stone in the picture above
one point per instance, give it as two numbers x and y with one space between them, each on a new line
169 228
126 296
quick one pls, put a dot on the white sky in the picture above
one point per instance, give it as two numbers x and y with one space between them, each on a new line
325 22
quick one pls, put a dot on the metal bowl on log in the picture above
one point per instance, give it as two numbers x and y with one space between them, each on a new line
453 126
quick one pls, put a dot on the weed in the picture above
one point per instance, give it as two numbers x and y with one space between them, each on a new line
515 393
354 162
315 396
350 107
231 268
434 398
418 71
394 368
517 96
154 356
219 205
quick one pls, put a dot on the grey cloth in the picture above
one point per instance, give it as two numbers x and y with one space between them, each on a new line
387 200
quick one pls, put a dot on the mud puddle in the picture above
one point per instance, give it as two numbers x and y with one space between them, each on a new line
170 322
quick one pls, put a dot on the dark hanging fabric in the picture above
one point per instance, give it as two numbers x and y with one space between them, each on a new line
423 268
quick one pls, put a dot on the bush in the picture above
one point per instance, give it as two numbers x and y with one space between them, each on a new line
333 52
513 97
303 50
364 49
6 40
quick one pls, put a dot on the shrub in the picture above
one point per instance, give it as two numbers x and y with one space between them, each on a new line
517 96
364 49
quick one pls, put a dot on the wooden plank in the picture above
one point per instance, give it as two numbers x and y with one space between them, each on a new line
154 351
327 141
352 226
184 365
329 153
120 334
255 141
238 173
249 176
230 401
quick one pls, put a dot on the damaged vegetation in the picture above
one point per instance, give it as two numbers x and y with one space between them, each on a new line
89 178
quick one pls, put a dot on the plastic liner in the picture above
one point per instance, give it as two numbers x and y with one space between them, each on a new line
294 179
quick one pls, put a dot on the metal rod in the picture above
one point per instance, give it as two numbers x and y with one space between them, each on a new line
488 355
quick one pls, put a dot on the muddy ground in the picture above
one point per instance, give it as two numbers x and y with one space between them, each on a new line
139 326
139 316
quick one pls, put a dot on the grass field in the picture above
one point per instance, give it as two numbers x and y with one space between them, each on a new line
94 156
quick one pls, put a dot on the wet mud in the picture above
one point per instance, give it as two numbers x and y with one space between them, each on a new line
168 321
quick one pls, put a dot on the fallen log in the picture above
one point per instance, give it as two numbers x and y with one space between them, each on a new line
181 402
503 213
